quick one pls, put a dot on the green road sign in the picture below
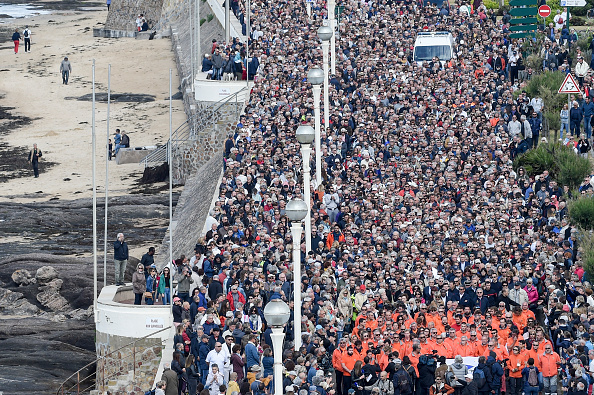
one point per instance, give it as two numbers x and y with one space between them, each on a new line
523 28
523 21
521 35
338 9
529 11
521 3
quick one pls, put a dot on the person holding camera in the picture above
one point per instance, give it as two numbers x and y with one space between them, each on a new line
184 280
384 386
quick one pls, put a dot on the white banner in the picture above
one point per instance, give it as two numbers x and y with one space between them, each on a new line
470 362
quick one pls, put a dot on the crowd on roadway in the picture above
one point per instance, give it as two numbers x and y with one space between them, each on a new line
428 247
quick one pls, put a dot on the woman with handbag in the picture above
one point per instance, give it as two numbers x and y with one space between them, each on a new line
138 284
151 287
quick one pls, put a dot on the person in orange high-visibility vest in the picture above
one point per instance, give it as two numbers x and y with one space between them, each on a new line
549 363
337 365
515 364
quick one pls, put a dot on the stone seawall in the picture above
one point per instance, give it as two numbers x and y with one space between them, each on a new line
130 370
122 13
191 210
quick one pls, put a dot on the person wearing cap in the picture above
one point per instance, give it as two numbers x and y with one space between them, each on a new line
360 298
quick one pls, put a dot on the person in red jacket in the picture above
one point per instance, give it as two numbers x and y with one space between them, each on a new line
335 235
235 296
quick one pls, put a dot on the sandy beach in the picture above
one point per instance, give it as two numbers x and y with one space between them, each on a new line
30 83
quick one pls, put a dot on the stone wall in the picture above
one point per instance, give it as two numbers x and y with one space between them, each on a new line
130 370
191 210
122 13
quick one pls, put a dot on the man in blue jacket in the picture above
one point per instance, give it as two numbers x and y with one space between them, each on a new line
120 258
251 353
575 119
203 351
588 109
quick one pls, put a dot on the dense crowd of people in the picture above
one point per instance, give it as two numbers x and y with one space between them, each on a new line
428 247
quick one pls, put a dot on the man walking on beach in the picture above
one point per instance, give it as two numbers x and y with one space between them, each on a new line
16 37
65 69
34 156
120 258
27 35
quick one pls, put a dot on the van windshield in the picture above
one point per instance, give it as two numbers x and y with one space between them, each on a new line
443 52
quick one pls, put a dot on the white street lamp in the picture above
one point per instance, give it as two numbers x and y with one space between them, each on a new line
277 314
332 20
305 135
316 78
296 210
325 33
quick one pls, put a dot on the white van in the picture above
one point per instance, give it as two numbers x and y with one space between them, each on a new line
431 44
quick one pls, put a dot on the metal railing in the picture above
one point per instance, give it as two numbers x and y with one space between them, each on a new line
188 130
89 382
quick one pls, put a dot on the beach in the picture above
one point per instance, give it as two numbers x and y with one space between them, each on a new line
48 219
55 118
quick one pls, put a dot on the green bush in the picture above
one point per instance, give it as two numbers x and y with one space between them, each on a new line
546 85
577 21
491 4
554 119
564 166
581 11
202 21
572 168
210 17
586 249
581 212
534 62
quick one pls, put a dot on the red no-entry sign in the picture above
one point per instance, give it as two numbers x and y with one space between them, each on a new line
544 11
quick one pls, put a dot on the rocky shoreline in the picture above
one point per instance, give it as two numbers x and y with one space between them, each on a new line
46 313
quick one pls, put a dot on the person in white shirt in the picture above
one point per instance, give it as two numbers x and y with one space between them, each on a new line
217 357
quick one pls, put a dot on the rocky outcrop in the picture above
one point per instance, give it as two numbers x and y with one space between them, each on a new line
14 304
45 274
50 294
23 277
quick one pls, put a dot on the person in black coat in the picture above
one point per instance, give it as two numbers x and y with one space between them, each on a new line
215 288
177 310
486 388
496 372
426 375
471 387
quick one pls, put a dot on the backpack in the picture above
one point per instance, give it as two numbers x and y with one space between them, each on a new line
26 33
404 381
532 377
560 21
150 392
478 376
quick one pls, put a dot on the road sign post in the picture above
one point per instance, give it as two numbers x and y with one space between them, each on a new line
569 86
544 11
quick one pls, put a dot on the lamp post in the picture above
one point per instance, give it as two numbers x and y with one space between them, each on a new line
332 20
324 34
305 135
296 210
277 314
316 78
